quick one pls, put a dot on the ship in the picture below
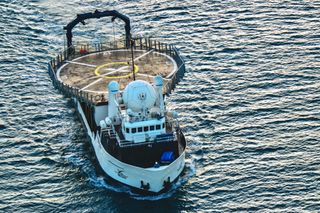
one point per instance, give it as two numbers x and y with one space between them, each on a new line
119 89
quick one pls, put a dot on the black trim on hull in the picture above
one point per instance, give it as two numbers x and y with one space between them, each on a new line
167 185
145 155
142 155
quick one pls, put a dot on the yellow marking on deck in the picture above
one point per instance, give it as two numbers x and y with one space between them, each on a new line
97 70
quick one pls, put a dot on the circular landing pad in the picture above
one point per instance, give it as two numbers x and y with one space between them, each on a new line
92 72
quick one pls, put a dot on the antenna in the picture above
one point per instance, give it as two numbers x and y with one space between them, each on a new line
64 43
132 57
114 34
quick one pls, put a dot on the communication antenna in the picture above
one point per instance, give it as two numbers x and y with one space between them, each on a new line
64 42
132 57
114 33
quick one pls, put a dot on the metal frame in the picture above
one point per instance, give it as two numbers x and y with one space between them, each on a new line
97 14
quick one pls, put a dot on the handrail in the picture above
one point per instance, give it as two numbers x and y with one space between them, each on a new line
174 128
125 143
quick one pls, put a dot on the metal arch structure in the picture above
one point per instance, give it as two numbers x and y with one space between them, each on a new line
97 14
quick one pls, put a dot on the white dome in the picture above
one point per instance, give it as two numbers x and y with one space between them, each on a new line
113 87
158 81
138 95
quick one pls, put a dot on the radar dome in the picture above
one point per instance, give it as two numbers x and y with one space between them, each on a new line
138 95
113 87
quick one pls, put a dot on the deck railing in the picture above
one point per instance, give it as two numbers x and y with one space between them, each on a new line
125 143
86 48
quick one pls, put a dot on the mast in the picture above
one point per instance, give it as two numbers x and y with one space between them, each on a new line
132 57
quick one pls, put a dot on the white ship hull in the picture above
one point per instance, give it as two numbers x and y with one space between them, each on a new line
136 139
150 179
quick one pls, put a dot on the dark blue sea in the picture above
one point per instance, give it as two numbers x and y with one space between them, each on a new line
249 104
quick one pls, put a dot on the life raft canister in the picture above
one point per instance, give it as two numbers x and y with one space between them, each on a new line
83 51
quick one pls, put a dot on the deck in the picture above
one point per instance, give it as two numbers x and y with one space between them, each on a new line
142 154
92 73
84 71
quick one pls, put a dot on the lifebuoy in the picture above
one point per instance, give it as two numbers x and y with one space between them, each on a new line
97 98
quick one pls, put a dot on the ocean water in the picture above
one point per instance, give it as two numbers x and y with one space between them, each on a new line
249 105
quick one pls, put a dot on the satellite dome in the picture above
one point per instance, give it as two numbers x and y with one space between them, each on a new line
113 87
138 95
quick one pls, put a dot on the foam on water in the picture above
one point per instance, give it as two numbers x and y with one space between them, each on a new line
249 106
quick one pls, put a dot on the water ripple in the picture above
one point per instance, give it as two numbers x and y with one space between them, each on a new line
249 105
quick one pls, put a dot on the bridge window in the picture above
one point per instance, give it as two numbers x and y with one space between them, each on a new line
158 127
134 130
163 125
146 129
139 129
127 130
151 128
